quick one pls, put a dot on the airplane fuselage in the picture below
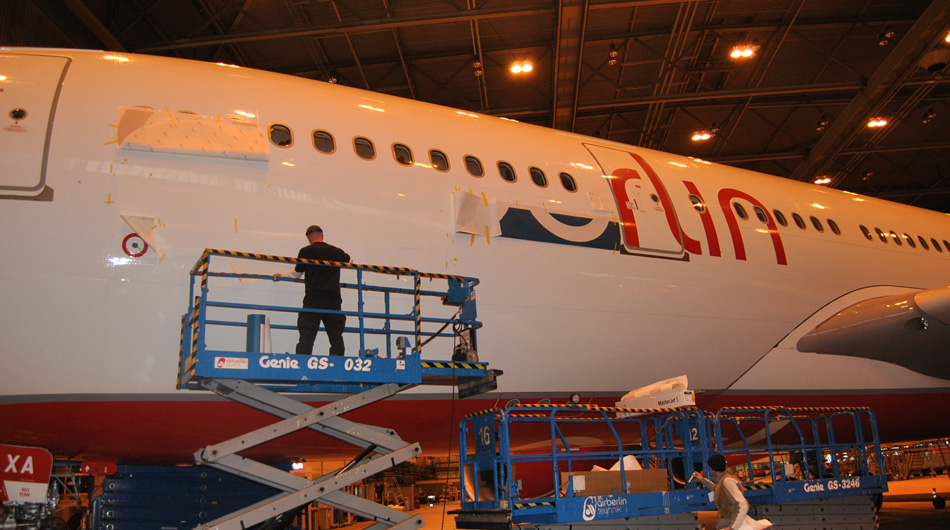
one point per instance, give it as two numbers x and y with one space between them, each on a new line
603 266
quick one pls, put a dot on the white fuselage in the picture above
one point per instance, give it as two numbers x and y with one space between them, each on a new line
81 317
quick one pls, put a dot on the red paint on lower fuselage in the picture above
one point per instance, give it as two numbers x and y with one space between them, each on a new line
171 431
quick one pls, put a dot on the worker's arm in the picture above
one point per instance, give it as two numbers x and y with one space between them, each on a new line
702 479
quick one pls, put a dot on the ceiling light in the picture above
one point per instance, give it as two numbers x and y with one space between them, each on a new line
744 51
612 55
520 68
885 37
821 181
929 114
821 123
947 38
700 136
877 121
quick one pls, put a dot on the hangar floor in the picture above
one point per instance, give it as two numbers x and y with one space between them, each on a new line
907 506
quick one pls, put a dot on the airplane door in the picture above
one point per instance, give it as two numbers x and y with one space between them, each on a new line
649 225
29 87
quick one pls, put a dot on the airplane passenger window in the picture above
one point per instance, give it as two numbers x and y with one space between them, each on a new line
896 238
697 203
568 182
923 242
740 211
910 241
439 161
507 172
936 245
881 235
780 217
364 148
799 221
474 166
834 227
946 245
402 154
866 232
538 177
323 142
760 213
817 224
280 135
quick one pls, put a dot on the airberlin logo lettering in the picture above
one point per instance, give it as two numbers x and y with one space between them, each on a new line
653 220
630 229
603 507
231 363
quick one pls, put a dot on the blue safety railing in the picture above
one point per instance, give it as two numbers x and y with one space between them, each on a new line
785 450
539 464
226 309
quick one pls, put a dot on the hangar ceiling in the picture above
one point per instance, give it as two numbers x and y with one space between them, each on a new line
648 73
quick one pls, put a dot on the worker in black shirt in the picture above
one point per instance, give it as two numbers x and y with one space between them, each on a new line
322 292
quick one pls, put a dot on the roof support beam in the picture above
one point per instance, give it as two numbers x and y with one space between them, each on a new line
111 42
899 65
341 27
571 28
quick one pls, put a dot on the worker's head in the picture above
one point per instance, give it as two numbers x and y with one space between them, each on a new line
717 463
314 234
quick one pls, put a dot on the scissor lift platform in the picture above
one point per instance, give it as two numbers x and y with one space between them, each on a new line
654 453
260 379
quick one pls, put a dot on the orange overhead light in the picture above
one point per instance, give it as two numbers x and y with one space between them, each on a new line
700 136
521 68
821 181
877 121
743 51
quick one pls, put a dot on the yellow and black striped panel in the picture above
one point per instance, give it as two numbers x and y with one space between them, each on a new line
375 268
532 505
453 365
797 409
598 408
482 412
756 486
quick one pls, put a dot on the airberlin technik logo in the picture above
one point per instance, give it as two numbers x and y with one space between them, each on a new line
603 507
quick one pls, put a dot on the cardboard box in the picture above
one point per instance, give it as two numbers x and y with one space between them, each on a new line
608 482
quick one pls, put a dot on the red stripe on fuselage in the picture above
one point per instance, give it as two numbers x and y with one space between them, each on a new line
171 431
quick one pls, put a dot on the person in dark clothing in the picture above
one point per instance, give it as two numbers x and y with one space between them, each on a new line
322 291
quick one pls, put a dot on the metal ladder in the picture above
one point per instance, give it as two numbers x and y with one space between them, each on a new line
264 377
